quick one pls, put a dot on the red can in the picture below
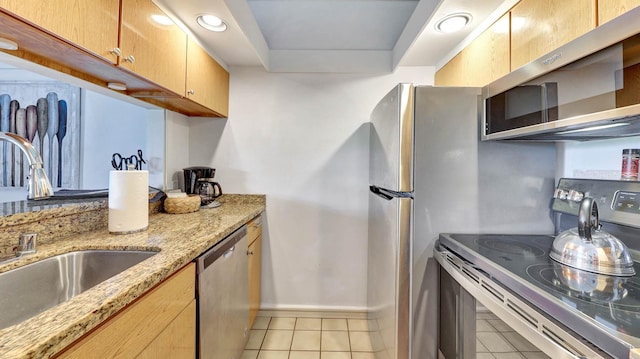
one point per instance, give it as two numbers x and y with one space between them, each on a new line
630 159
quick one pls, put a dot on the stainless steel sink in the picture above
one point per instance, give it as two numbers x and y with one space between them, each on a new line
29 290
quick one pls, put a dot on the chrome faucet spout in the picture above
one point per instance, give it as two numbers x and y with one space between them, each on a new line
38 186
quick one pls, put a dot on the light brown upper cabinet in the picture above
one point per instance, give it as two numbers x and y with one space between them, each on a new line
86 38
154 51
487 57
484 60
540 26
451 74
92 25
608 9
207 82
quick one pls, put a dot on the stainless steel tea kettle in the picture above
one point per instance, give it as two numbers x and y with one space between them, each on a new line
590 248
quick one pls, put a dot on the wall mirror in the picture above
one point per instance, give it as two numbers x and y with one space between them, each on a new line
81 127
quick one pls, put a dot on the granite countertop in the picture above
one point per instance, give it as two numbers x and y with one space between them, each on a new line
178 238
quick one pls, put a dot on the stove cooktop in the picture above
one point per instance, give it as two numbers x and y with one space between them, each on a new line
522 264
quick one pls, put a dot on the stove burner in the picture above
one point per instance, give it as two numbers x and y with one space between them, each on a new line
585 286
510 247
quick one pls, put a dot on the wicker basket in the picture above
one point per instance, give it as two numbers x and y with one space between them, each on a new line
180 205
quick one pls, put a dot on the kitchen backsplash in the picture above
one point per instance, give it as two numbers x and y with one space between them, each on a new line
593 159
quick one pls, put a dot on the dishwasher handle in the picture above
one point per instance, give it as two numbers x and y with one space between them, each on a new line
229 252
225 248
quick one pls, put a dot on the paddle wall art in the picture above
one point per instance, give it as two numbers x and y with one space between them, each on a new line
47 114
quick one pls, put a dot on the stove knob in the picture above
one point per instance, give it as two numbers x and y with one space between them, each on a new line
560 194
575 196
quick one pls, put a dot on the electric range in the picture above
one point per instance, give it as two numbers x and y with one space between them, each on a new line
583 313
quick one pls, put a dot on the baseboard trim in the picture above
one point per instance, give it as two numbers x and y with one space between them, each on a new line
315 312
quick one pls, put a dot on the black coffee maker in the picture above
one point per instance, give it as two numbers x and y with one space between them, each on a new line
191 176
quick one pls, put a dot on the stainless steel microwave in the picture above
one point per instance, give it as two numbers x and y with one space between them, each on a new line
587 89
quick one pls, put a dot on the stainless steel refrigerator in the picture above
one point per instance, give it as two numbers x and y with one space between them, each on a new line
429 174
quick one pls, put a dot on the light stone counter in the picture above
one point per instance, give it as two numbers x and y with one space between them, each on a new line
179 238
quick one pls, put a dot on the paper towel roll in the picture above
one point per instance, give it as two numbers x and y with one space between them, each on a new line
128 201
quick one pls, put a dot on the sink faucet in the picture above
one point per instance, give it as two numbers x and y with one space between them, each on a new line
38 186
26 245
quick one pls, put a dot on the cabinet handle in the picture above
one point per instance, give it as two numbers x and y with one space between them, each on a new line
130 59
249 253
191 92
116 51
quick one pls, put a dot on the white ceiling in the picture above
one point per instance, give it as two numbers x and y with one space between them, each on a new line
372 36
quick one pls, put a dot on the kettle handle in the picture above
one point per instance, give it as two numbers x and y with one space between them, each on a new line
588 219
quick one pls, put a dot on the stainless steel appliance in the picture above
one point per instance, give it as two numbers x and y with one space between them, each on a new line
223 298
586 89
566 312
429 173
193 174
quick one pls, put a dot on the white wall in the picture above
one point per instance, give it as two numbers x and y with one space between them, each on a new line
302 139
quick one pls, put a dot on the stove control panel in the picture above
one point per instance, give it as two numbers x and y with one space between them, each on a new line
618 201
628 202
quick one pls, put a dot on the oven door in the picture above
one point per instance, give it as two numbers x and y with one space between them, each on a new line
457 324
500 322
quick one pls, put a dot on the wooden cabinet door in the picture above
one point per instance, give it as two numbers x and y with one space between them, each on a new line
154 51
136 326
178 340
451 74
207 81
486 59
540 26
609 9
92 25
255 276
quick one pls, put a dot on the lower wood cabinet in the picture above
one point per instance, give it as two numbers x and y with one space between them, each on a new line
161 324
254 251
177 340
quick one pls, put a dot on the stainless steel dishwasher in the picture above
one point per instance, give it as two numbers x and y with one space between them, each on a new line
223 298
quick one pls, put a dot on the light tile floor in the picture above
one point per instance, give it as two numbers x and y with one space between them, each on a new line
338 338
309 338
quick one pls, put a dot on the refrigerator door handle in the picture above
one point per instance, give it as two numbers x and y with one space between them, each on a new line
389 194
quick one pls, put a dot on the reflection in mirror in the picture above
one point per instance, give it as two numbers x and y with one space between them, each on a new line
97 123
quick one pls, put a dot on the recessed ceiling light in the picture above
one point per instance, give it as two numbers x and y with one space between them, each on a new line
161 19
212 23
453 22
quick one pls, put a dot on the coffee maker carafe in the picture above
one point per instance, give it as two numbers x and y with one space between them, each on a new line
191 176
